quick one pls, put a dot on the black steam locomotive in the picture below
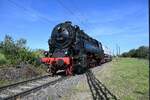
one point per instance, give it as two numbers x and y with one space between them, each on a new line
72 50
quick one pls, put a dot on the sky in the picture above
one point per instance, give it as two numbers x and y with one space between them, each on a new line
112 22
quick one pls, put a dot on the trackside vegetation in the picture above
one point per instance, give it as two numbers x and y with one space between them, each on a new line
13 52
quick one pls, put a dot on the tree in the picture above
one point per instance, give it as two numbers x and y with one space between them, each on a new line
141 52
132 53
21 43
8 48
125 54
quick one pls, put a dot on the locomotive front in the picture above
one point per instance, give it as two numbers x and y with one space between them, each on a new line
62 37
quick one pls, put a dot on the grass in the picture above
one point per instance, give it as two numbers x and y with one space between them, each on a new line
4 82
127 78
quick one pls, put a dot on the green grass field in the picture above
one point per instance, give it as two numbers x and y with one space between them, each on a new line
127 78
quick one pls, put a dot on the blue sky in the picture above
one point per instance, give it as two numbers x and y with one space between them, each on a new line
121 22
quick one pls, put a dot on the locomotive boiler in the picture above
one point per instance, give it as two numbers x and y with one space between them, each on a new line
72 50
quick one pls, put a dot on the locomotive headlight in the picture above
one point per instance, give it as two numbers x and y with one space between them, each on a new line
66 52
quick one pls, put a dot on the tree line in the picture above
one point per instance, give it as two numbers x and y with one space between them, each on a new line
141 52
15 52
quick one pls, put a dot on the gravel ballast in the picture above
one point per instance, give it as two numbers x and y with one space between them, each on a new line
65 90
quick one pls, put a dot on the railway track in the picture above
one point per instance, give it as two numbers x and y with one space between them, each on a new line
20 89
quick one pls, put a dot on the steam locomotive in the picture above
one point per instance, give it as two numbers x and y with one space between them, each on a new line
72 50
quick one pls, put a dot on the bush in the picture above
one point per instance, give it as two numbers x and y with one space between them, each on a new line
16 52
3 59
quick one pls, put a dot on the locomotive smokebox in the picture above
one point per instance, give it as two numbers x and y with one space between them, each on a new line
63 35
